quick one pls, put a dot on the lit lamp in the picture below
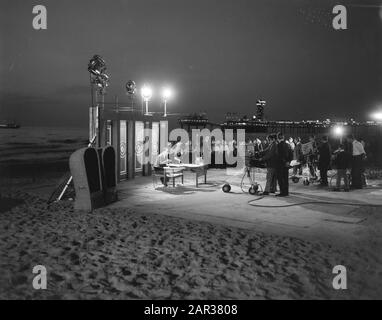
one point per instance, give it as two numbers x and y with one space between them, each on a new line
147 94
166 94
339 132
377 116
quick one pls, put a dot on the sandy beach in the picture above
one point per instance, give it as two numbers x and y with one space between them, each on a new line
121 254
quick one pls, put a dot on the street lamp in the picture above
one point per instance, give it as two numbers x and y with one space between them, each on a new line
166 94
147 94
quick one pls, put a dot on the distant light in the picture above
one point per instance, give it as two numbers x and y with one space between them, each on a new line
377 116
167 93
146 92
339 131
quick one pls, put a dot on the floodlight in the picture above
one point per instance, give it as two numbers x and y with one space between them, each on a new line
167 93
338 131
377 116
147 93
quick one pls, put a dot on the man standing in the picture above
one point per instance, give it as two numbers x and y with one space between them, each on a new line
324 153
270 158
342 163
358 154
298 156
284 157
311 158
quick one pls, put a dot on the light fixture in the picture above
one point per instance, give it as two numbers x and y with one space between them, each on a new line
377 116
147 94
131 87
97 65
167 93
338 131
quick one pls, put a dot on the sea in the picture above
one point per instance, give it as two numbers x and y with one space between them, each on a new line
37 150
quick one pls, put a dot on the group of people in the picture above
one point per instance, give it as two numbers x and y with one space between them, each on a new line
277 156
280 153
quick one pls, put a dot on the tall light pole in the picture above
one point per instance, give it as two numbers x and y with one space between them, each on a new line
99 80
166 94
147 94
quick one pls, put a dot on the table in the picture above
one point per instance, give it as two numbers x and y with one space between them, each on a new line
198 169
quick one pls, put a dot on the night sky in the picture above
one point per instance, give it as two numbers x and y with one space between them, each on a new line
219 55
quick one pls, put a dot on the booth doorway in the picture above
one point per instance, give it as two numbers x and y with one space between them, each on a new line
139 142
155 141
123 148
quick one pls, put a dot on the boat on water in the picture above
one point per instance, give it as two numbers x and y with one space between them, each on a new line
9 125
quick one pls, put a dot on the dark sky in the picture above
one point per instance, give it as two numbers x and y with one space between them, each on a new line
219 55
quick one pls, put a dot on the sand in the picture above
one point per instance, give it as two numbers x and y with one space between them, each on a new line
120 253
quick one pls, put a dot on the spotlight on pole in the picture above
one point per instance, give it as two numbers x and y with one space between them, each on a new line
99 81
97 65
167 93
131 87
147 94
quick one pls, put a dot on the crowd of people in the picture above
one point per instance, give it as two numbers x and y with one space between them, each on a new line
281 155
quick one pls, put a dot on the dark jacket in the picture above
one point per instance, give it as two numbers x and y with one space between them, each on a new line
284 154
342 160
325 155
270 155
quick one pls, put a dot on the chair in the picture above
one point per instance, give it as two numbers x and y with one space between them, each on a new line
166 174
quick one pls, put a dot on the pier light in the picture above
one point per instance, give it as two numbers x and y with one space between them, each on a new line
147 94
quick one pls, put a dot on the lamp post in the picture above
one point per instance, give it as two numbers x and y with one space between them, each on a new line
147 94
166 94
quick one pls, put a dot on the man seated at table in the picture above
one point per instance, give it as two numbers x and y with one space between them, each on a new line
177 151
162 160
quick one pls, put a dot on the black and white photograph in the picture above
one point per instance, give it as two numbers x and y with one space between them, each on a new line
200 151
